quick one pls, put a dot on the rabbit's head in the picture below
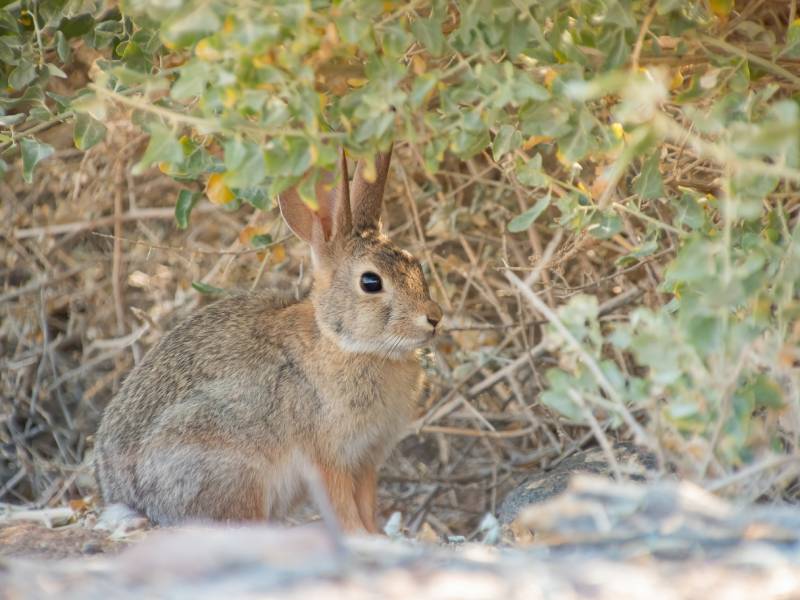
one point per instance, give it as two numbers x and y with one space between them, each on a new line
369 295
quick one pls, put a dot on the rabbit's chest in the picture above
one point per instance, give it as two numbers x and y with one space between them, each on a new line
371 411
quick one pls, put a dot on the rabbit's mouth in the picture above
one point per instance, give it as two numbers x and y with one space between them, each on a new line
394 346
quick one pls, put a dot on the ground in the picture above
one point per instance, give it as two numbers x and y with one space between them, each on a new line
597 539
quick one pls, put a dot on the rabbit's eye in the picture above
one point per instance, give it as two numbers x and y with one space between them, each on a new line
371 282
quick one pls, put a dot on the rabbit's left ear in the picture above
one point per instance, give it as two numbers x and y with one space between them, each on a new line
333 217
368 186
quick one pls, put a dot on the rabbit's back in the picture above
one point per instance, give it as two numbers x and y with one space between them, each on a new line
208 407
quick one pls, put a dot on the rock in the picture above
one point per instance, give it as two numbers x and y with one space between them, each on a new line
634 463
600 539
666 519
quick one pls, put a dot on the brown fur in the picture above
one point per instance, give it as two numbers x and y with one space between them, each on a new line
219 418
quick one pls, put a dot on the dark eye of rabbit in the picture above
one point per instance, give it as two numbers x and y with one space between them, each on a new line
371 282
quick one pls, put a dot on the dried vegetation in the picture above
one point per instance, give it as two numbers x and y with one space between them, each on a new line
93 271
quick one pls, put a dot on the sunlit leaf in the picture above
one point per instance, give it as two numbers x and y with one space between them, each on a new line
33 152
183 207
88 131
217 191
649 184
523 221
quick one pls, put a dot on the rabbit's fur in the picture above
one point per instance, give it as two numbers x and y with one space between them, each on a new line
221 417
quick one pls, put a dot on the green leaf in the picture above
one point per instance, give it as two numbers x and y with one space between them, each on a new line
792 48
645 249
244 164
557 397
518 35
62 47
688 212
526 89
766 392
261 240
423 85
429 33
22 75
55 71
577 144
605 225
508 138
188 28
352 29
192 81
88 131
531 173
163 147
33 152
205 288
76 26
183 207
256 197
8 120
616 48
525 220
649 184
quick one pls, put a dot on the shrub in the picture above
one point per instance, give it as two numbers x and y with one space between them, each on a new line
583 105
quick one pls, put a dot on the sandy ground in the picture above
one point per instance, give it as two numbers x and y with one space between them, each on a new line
597 540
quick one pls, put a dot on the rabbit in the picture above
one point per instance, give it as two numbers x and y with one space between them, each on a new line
221 415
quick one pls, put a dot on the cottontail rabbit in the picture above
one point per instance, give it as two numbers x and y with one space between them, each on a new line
219 418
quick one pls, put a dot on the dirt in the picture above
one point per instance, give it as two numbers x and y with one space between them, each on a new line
598 539
37 541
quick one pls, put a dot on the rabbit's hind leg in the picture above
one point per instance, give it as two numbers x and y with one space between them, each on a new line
192 481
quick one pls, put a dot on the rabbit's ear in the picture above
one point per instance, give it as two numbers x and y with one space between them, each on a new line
367 195
337 203
333 217
298 216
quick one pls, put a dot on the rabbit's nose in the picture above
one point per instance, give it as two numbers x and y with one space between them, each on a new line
434 314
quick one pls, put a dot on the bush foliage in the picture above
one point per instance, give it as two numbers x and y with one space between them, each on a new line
577 102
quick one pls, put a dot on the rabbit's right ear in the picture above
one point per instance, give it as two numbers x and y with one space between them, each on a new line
333 217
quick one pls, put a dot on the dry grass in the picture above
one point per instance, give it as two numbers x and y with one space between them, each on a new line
94 271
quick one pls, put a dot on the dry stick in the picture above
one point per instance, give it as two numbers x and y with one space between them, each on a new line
599 434
534 275
116 264
754 58
485 290
40 282
536 242
748 10
417 518
514 433
718 154
637 48
320 497
540 348
142 213
426 251
212 273
725 409
508 370
769 463
184 249
590 362
620 300
516 389
261 268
